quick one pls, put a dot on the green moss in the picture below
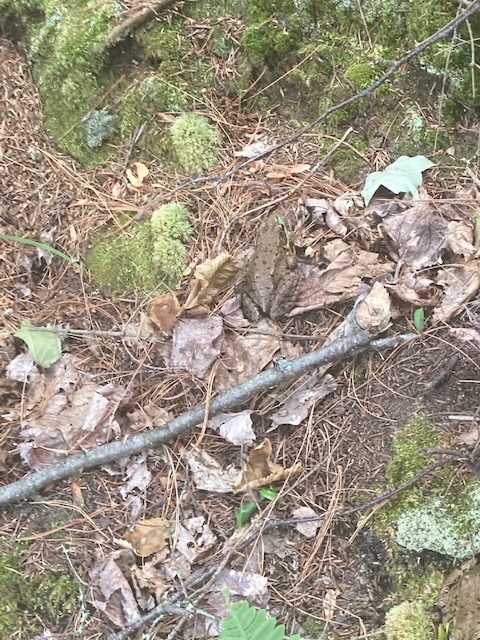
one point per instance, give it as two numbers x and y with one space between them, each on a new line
143 257
408 621
361 74
195 143
50 597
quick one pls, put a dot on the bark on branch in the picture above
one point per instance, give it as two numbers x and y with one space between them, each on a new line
283 372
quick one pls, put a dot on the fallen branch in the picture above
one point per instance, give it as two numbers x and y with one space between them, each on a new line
134 21
285 371
155 614
365 93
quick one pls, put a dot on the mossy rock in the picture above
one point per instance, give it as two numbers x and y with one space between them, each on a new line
143 257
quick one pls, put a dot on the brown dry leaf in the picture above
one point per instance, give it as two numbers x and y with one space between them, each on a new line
297 406
469 438
461 284
196 344
208 475
65 418
234 427
374 312
416 289
141 172
232 314
329 604
278 172
137 476
418 236
260 470
209 278
111 593
340 281
77 495
307 529
165 311
194 538
149 536
149 576
466 335
244 356
460 238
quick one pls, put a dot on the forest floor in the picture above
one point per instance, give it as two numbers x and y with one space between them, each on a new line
339 577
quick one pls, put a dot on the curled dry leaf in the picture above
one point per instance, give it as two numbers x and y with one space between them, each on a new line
208 475
209 278
307 529
416 289
460 238
335 223
149 536
194 537
111 593
196 344
164 311
137 476
232 314
297 406
260 470
418 236
461 285
373 313
141 172
234 427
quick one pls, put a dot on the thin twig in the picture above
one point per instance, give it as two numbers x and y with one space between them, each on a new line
284 371
365 93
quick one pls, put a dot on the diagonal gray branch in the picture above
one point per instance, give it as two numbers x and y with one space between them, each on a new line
283 372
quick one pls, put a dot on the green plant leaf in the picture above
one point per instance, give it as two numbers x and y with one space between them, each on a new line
402 176
247 623
419 319
476 233
268 493
39 245
44 345
243 513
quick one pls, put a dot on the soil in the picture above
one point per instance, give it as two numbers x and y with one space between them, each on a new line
344 447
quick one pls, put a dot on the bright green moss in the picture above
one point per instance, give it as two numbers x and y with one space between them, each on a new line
408 621
143 257
195 143
361 74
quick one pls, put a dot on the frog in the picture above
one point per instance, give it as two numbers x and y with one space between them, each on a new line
459 602
271 280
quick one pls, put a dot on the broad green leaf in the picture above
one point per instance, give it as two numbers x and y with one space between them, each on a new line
44 345
419 319
247 623
402 176
268 493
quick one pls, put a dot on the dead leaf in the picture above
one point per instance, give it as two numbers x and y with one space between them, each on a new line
111 593
148 417
466 335
210 277
244 356
141 172
232 314
254 149
418 236
77 496
240 584
149 576
348 203
340 281
329 604
416 289
165 311
208 475
374 312
260 470
194 538
461 284
469 438
460 238
149 536
137 476
196 344
234 427
307 529
297 406
334 222
22 369
279 172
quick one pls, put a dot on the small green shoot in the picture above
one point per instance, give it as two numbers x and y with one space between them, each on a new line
476 233
442 632
243 513
419 319
268 493
44 345
39 245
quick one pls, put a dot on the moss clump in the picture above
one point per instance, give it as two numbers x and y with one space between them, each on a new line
145 256
408 621
195 143
51 596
